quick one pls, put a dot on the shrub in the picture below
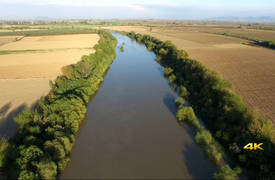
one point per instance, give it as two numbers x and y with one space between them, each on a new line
214 154
227 173
187 114
3 150
168 71
204 137
183 92
67 71
47 169
172 78
121 48
179 102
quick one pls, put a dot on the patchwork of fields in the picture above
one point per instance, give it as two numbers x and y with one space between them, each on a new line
27 66
250 69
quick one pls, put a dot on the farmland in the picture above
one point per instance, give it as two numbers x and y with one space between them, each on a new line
250 69
32 56
27 66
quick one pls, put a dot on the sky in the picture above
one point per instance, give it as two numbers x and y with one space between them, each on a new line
134 9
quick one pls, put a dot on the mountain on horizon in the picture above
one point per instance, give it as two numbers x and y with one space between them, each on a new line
243 19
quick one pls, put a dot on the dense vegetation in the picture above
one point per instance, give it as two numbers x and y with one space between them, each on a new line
223 112
55 31
121 48
203 137
269 44
41 148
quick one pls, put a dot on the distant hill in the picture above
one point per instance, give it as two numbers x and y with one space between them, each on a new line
44 18
243 19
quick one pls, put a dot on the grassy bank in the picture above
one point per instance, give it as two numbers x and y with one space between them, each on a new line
45 32
231 123
45 137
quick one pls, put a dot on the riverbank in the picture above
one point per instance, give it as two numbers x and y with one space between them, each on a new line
131 131
42 145
223 111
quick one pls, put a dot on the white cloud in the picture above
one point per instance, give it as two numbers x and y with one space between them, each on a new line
79 3
136 7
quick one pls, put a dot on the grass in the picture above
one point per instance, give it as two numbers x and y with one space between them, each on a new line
39 50
45 32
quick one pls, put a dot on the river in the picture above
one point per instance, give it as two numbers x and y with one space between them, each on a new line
130 131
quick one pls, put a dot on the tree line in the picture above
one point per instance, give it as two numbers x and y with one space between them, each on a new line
45 137
230 122
268 44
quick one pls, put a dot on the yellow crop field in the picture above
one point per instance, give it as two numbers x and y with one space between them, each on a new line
25 75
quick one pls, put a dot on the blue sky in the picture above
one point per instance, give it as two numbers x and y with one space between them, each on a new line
161 9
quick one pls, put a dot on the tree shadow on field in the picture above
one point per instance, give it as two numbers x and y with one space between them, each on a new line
4 109
7 125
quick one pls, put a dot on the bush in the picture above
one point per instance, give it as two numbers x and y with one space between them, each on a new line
204 137
183 92
168 71
187 114
172 78
179 102
121 48
227 173
3 150
269 44
47 169
213 154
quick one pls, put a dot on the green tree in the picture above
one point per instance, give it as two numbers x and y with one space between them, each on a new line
227 173
4 145
204 137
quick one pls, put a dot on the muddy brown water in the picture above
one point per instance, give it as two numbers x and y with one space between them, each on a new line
130 131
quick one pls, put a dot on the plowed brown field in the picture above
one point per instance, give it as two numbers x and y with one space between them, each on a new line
250 69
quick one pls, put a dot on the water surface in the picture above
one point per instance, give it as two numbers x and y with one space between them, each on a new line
131 131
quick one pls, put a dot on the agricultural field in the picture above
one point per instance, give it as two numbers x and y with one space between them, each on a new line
8 39
251 69
27 66
262 35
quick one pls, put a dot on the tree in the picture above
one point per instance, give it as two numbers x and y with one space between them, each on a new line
28 155
47 169
203 137
183 92
3 150
168 71
227 173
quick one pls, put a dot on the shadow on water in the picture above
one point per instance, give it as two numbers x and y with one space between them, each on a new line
193 163
169 101
160 70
